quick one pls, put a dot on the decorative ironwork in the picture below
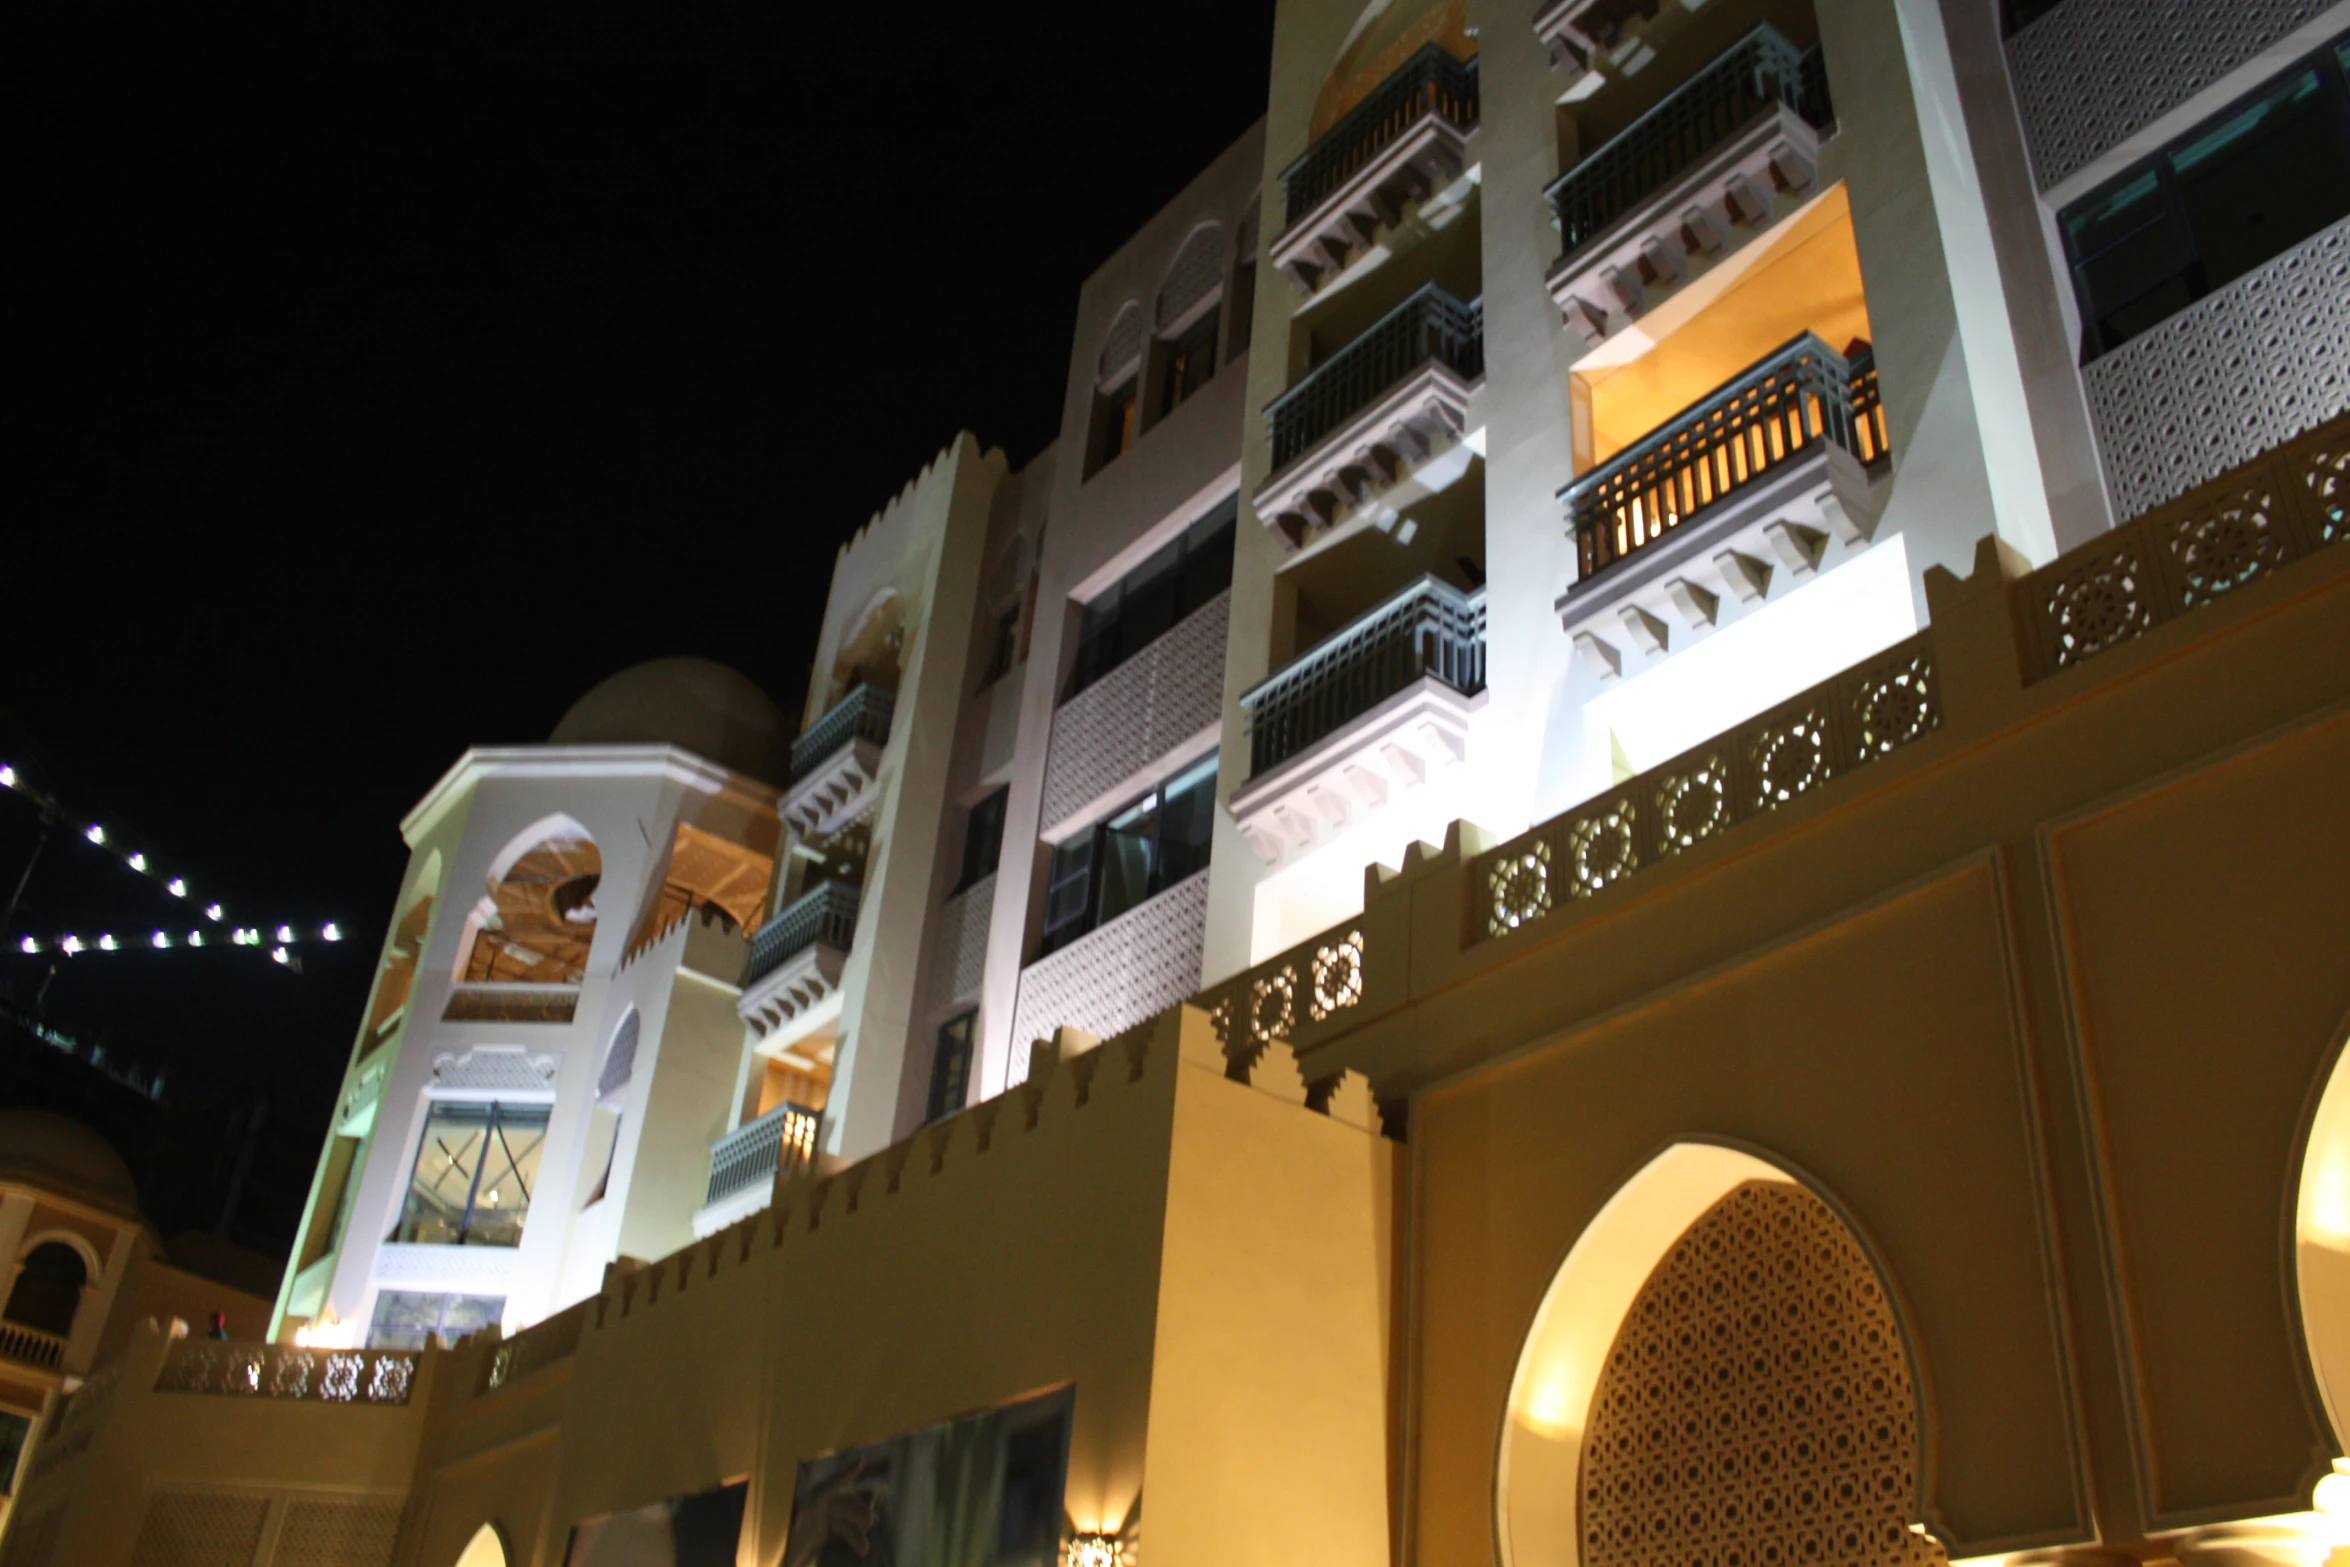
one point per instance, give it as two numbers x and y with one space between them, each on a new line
784 1139
1870 710
1751 78
1338 976
1758 1401
2186 553
1788 403
1430 82
825 914
1430 629
1430 325
288 1371
864 714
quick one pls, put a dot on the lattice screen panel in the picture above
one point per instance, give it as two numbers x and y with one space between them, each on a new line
200 1529
1756 1409
337 1532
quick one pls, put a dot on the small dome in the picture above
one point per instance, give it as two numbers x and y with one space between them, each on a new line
42 1149
692 703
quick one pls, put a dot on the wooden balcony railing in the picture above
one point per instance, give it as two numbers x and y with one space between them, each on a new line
782 1139
1429 325
1430 82
1751 78
1768 414
863 714
826 914
1429 629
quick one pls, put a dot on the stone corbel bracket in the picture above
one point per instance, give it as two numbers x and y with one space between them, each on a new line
1425 159
1355 770
1418 418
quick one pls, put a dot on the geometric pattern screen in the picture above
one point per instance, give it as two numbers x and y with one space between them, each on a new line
1756 1409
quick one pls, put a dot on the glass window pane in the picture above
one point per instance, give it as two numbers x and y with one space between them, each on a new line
2265 179
442 1185
509 1174
1126 859
1065 895
1188 824
1207 559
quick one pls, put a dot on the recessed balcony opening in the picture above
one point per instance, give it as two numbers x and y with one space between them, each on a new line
836 763
1354 568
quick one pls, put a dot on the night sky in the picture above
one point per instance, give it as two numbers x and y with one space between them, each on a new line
385 376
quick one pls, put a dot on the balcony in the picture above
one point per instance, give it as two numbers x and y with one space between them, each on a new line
1754 479
1363 715
744 1163
1363 418
1687 182
792 987
25 1346
1405 142
836 765
1581 33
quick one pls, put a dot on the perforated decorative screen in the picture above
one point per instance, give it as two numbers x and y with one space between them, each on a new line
201 1529
1756 1409
337 1532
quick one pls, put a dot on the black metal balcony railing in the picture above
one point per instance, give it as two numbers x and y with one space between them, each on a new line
1430 628
782 1139
1797 398
1430 82
1752 77
1429 325
825 914
863 714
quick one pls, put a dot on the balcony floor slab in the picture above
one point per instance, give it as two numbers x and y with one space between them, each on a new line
1355 769
1412 424
839 791
800 997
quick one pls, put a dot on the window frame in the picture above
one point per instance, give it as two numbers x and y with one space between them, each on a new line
935 1107
971 875
2332 69
1202 337
543 1112
1191 594
1058 934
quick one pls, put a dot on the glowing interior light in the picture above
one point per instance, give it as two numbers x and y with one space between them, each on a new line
97 833
279 953
195 938
7 777
138 862
176 887
213 913
285 933
108 944
330 934
161 940
70 944
31 945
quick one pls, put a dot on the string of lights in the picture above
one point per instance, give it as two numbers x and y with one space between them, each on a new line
281 941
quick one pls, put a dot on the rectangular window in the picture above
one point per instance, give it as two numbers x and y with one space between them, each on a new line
1004 651
983 839
1115 424
1190 360
408 1319
474 1175
2235 192
1143 605
950 1066
1132 856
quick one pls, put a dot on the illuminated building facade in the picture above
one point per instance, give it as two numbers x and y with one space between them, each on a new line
1635 853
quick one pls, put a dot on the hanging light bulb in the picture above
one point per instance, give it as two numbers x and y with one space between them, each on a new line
31 946
97 833
176 887
138 862
161 940
330 933
279 953
108 944
212 913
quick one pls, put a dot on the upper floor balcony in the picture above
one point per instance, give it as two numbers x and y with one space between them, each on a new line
745 1162
1359 421
1688 181
1363 714
1753 479
30 1346
836 765
1406 141
792 987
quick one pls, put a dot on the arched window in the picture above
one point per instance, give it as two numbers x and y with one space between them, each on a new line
1717 1359
48 1289
486 1549
2321 1226
539 919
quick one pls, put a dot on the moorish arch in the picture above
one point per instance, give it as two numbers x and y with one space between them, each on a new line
1715 1378
2321 1235
537 922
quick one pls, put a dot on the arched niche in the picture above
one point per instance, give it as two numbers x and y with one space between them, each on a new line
1716 1345
46 1293
2321 1245
405 949
538 920
1388 33
487 1548
874 649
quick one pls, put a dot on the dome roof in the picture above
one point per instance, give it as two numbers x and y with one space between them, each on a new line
43 1149
692 703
